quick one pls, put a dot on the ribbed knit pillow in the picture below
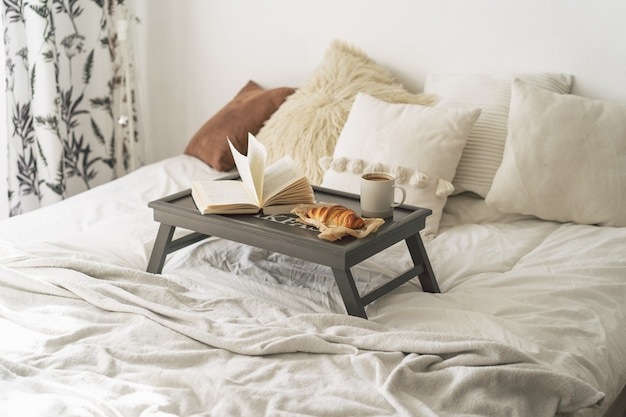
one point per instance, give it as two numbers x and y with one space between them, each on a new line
491 93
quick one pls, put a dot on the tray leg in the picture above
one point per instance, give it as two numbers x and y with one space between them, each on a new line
420 257
160 249
349 292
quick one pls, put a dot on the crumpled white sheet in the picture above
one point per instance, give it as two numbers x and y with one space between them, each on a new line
82 337
554 291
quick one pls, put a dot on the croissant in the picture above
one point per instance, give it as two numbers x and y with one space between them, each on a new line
336 215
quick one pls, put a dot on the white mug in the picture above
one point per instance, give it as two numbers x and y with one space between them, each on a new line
377 194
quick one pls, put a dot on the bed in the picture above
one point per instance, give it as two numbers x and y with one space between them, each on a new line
529 321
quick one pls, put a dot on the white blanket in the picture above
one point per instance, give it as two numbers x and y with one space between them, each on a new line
82 337
553 291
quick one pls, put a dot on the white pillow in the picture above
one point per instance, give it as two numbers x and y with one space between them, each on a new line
491 93
564 159
419 145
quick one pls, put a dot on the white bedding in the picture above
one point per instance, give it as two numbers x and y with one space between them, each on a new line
530 318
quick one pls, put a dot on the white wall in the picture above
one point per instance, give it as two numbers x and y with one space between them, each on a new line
196 54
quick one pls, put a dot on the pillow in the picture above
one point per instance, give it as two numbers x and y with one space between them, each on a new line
491 93
564 159
307 126
419 145
246 112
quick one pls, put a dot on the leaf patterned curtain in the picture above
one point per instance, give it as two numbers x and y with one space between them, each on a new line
72 108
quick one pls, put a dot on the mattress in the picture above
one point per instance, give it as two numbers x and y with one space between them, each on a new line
529 321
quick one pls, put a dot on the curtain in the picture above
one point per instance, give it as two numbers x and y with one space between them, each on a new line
72 109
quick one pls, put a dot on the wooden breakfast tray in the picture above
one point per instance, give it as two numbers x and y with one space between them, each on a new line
284 234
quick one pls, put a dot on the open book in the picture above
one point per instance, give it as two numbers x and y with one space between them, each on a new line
275 189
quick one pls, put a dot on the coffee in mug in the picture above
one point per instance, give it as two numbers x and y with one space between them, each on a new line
377 195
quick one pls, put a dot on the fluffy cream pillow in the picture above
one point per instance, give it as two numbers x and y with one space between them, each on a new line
419 145
491 93
308 123
564 159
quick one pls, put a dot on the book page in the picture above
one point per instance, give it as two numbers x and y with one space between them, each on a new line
299 192
252 166
223 196
280 176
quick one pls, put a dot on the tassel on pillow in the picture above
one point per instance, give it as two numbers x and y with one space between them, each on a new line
339 164
355 166
324 162
419 179
400 174
375 167
444 188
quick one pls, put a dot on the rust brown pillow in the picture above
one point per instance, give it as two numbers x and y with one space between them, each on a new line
246 112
